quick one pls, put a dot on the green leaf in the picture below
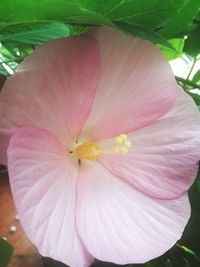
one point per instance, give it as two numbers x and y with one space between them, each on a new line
198 181
3 71
195 97
6 251
143 15
196 77
143 33
85 11
192 43
149 14
188 250
15 12
181 21
168 263
32 22
186 263
178 44
37 34
149 264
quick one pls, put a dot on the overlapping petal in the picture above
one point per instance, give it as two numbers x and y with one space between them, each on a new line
43 182
119 224
108 209
136 85
163 160
53 89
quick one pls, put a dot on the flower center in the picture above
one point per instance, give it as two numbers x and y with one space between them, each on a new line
88 151
91 151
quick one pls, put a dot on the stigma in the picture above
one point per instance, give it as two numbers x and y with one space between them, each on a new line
88 150
91 151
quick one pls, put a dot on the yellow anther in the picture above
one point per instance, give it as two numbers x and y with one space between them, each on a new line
122 144
123 137
123 149
115 149
118 140
87 150
91 151
128 144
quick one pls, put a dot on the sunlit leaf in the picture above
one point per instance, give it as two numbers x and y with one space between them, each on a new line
15 12
36 34
188 250
178 44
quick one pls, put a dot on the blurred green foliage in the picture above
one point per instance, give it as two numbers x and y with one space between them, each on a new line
6 251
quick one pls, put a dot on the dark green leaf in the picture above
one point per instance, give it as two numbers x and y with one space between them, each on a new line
195 97
186 263
192 44
37 33
181 21
143 15
149 264
198 181
149 14
132 11
6 251
143 33
168 263
196 77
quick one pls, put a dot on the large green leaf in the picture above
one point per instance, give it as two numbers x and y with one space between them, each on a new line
142 15
195 97
149 14
192 44
37 33
181 21
144 33
32 11
6 251
196 77
32 22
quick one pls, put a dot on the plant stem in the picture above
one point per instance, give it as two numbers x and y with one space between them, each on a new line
192 67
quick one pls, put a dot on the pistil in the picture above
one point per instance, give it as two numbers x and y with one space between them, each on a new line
91 151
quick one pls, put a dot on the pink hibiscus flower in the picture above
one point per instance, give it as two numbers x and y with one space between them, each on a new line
101 148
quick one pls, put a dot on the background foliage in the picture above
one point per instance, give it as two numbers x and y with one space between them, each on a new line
173 25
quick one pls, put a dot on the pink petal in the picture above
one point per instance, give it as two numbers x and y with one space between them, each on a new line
53 88
119 224
136 85
43 182
163 160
